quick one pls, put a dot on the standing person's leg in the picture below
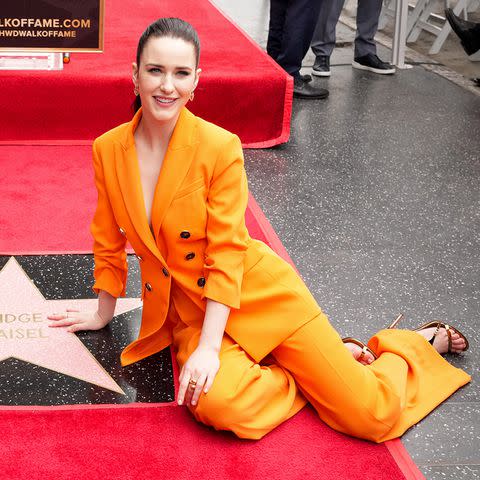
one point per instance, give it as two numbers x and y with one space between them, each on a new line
368 13
365 54
301 18
278 11
377 402
323 41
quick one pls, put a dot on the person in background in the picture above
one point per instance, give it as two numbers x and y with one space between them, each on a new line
467 32
291 27
365 54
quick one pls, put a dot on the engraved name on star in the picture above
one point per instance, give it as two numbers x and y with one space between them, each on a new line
24 332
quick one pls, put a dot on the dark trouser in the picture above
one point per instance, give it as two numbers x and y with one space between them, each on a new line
368 12
292 23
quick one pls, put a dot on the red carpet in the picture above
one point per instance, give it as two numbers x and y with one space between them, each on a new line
241 88
48 201
162 442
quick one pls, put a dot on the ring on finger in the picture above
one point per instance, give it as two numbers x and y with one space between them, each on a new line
363 352
192 384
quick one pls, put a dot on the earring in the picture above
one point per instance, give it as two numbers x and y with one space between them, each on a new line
192 96
135 90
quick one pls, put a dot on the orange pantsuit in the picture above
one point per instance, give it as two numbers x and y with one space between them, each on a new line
279 349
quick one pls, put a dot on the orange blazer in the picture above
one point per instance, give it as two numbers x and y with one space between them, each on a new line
200 247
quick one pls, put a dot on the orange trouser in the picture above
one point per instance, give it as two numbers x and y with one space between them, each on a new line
376 402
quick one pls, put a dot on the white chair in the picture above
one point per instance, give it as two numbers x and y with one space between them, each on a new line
421 17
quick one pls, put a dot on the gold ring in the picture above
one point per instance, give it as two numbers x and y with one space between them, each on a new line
362 354
192 384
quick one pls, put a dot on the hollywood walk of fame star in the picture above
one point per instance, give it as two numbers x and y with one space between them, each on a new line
25 335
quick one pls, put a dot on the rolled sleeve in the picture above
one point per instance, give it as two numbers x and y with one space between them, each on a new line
110 271
227 235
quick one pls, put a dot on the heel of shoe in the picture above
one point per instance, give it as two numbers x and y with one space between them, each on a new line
396 321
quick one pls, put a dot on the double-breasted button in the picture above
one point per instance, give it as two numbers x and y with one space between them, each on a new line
148 287
165 272
185 234
122 231
139 258
201 282
190 256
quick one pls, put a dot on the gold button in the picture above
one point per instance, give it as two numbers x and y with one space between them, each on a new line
139 258
122 231
165 271
185 234
148 287
190 256
201 282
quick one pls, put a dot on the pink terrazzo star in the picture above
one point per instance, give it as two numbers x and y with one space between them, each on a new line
25 335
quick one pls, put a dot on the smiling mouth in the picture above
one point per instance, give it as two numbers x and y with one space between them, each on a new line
164 101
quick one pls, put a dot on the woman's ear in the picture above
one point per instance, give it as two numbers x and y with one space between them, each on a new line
197 77
135 73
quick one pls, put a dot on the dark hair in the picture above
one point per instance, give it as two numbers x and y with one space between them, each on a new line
167 27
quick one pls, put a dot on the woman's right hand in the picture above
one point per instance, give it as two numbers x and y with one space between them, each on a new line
76 320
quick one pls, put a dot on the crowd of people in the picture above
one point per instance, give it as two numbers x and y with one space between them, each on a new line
295 26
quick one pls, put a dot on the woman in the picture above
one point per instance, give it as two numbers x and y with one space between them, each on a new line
252 343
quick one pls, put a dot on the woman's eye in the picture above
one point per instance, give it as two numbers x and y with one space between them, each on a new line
154 70
183 73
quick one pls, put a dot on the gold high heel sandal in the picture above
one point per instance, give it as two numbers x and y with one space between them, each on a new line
396 321
360 344
437 324
364 348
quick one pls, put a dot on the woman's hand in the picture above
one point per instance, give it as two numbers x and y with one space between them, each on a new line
201 367
77 320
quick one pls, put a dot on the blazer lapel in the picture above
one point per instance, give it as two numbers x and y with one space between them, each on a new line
128 174
177 162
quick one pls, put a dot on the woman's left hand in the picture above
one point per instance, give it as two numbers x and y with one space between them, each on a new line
201 367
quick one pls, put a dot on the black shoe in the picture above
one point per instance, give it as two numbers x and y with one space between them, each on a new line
467 32
321 67
373 64
302 89
306 78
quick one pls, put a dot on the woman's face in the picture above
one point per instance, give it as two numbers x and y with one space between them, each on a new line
165 77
